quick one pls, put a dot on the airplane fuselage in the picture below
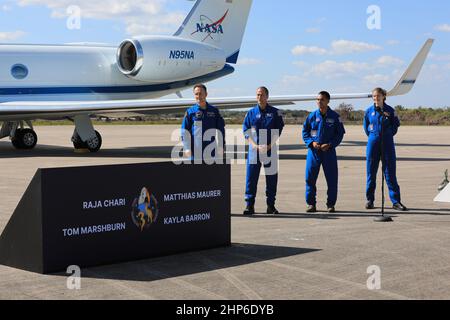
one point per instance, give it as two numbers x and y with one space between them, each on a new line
92 73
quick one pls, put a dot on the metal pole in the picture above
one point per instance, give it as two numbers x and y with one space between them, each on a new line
383 218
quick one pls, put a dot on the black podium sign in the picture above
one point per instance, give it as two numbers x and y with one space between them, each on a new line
99 215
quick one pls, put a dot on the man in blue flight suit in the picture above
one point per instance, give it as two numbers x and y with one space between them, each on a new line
262 127
381 118
323 132
200 125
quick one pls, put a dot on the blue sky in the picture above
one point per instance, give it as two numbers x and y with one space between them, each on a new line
293 47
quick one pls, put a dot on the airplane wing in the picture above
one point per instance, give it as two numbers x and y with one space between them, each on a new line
57 110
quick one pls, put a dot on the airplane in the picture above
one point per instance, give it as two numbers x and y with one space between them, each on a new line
81 81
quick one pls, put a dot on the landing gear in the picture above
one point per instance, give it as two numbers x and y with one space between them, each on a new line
93 145
25 139
22 138
84 135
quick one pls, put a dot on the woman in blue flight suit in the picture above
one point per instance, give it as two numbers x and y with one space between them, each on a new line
262 124
381 118
323 132
199 119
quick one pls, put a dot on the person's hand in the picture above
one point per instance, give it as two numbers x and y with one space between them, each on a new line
187 153
325 147
316 146
263 148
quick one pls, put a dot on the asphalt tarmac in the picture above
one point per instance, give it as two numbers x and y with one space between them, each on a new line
293 255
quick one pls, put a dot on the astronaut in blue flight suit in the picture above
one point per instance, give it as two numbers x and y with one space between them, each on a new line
323 132
262 128
381 118
201 123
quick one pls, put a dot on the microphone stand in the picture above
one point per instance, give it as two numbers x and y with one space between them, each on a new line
383 218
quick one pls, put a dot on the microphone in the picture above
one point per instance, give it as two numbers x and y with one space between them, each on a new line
380 111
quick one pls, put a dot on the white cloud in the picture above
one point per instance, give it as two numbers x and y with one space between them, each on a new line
332 69
140 16
5 7
9 36
393 42
249 61
293 80
159 24
338 47
300 64
388 61
376 79
313 30
380 70
440 57
301 50
346 47
443 27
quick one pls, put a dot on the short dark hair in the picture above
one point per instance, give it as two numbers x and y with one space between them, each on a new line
325 94
264 89
200 86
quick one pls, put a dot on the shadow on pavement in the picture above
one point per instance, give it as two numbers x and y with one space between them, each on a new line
347 214
159 152
191 263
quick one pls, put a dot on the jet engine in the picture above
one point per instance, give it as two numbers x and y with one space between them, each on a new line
167 59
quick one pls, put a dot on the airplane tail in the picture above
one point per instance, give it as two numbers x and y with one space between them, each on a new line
407 81
220 23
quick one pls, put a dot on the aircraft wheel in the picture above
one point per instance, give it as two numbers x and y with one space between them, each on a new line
95 144
25 139
29 139
77 142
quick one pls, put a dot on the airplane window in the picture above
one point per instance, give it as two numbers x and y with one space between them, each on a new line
19 71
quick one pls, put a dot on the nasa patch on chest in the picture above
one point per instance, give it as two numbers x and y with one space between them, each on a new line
270 115
199 115
211 115
331 121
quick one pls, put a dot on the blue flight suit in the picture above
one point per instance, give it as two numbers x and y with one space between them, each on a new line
373 122
326 129
257 120
195 123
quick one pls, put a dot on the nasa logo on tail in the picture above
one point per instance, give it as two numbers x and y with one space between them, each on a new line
209 27
145 210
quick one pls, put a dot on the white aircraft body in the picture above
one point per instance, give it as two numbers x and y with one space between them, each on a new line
80 81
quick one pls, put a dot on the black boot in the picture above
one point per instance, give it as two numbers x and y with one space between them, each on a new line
272 210
399 207
250 210
370 205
